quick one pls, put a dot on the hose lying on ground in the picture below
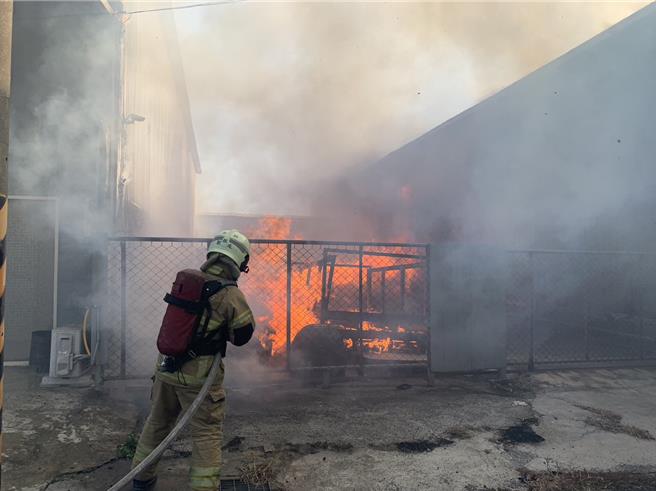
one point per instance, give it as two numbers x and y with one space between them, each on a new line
94 335
85 327
182 422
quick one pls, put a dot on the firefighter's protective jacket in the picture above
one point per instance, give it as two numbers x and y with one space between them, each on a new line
230 311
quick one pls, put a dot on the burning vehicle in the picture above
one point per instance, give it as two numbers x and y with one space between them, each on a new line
345 305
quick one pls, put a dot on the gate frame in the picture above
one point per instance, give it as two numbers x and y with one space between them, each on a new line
531 364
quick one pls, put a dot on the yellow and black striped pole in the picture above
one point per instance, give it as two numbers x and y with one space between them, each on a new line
6 17
3 277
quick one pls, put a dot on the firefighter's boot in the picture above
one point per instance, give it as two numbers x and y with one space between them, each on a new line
138 485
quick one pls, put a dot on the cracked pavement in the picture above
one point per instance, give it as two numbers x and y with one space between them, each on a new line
365 434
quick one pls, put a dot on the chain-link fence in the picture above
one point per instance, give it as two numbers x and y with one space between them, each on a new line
579 307
329 304
317 304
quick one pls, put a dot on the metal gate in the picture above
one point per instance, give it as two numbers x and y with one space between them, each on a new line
317 304
580 308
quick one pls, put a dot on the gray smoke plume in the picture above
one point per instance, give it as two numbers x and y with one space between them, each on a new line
288 96
63 109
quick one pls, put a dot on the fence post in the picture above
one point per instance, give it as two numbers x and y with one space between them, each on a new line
382 291
369 302
531 348
124 307
360 306
586 322
402 279
6 19
427 314
100 366
3 278
324 275
638 291
289 304
586 310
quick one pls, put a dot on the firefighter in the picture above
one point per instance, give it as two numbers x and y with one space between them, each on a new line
173 392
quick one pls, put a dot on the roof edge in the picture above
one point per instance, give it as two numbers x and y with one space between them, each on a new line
649 9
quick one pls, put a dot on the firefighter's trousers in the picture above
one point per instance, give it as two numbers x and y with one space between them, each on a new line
168 400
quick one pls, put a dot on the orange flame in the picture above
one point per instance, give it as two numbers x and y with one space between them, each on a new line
377 345
267 289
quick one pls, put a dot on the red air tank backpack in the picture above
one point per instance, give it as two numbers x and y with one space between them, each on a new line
181 334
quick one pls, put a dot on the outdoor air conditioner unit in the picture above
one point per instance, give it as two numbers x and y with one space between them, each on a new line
65 352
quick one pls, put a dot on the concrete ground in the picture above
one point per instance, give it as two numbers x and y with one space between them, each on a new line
596 427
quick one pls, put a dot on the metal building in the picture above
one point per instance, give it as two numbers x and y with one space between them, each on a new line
561 158
95 150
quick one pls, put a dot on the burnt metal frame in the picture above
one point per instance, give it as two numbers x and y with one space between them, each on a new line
383 270
360 250
328 265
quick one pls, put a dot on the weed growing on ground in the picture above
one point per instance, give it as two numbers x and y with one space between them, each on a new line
257 472
612 423
586 480
126 449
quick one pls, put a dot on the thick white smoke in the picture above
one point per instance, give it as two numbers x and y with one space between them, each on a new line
286 96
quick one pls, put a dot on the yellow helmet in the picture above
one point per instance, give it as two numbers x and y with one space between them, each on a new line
234 244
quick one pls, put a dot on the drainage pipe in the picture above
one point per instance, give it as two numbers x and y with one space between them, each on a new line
182 422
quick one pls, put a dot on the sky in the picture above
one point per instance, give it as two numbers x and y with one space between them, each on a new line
287 96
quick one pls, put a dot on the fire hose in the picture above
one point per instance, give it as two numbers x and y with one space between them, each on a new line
182 422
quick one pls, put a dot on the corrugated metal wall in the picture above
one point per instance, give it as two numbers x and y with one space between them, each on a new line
161 158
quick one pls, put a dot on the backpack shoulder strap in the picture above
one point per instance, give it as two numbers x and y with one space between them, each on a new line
213 287
188 305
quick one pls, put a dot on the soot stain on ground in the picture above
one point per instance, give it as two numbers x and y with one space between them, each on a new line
461 432
520 433
315 447
421 446
234 444
414 446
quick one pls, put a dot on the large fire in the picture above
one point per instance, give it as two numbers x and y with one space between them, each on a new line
267 289
269 286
